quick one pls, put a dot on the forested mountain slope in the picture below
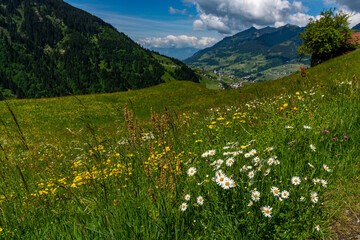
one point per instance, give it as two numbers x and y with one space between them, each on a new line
50 48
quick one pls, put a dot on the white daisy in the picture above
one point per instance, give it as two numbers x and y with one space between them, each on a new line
313 148
247 155
219 173
200 200
251 174
296 180
275 191
267 172
266 211
205 154
228 183
277 162
324 183
191 171
285 194
307 127
288 127
255 195
326 168
183 207
316 180
314 197
220 161
270 161
317 227
253 152
226 147
311 165
302 198
230 162
256 160
212 152
221 179
187 197
251 183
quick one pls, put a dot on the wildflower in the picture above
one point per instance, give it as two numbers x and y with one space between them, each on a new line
220 180
270 161
285 194
275 191
250 204
219 173
326 131
256 160
317 227
311 165
313 148
288 127
229 162
251 183
316 180
220 161
334 139
205 154
187 197
212 152
251 174
247 155
200 200
296 180
183 207
228 183
267 172
314 197
277 162
307 127
255 195
326 168
285 105
302 199
226 147
266 211
253 152
191 171
324 183
346 137
297 93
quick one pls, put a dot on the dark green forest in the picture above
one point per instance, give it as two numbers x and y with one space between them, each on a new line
49 48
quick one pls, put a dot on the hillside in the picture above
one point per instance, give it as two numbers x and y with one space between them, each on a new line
49 48
357 27
251 52
146 164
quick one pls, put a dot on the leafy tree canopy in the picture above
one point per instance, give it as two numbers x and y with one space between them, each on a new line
326 37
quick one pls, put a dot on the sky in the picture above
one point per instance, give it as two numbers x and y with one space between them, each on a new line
202 23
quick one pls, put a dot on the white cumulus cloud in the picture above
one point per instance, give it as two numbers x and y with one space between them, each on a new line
181 41
229 16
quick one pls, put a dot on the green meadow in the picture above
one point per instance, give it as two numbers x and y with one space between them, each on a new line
273 160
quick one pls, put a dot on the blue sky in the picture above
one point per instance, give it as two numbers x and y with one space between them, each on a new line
201 23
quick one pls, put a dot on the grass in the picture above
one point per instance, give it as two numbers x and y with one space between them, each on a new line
108 167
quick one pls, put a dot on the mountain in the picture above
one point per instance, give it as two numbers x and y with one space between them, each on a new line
50 48
357 28
179 53
251 52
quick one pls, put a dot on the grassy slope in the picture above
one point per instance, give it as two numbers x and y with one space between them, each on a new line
57 113
44 121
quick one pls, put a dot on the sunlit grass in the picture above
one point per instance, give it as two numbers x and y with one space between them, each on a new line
107 166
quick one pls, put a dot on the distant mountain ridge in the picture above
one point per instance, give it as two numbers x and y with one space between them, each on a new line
251 51
50 48
357 27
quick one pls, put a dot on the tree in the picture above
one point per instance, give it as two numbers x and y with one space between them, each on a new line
326 37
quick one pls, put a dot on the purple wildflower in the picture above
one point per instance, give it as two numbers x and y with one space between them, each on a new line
346 137
326 131
334 139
